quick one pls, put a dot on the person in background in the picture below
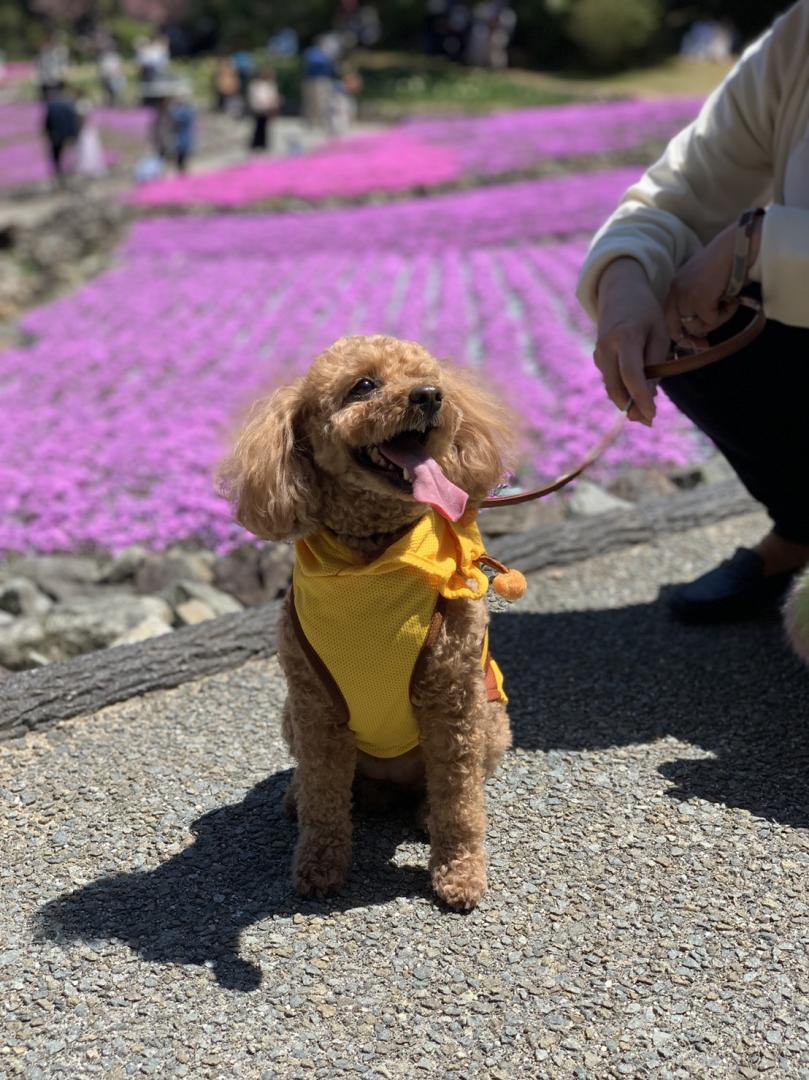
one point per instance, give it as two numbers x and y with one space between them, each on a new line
111 74
344 106
183 119
245 67
263 102
52 64
91 161
152 59
725 207
61 127
225 84
318 75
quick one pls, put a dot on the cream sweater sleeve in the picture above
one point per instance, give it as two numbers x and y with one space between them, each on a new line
718 166
782 265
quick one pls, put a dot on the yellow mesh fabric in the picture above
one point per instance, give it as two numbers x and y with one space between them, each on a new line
368 622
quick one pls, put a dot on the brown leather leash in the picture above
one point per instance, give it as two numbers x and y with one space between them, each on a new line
678 362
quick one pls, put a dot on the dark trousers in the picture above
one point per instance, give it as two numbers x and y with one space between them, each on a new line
57 148
259 140
755 406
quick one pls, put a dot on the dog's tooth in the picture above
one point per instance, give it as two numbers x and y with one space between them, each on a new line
406 474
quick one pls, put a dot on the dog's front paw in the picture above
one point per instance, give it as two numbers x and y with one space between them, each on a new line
320 866
461 882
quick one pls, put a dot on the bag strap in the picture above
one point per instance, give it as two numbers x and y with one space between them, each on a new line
678 362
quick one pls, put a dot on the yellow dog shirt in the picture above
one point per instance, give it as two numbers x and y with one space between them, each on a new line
364 626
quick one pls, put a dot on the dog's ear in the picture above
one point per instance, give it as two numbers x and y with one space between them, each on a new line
269 477
486 438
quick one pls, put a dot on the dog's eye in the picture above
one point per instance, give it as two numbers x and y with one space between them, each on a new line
363 389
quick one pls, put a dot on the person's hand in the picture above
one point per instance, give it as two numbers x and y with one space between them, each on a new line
695 304
631 335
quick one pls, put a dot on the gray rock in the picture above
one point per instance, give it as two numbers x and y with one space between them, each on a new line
62 577
180 592
19 596
638 485
21 643
588 499
194 611
255 575
500 521
239 574
5 618
159 572
276 562
152 626
716 469
125 565
76 627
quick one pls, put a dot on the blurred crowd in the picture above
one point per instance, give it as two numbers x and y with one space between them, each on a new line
243 86
243 81
475 34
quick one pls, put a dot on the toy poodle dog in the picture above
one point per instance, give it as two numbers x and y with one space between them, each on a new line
374 463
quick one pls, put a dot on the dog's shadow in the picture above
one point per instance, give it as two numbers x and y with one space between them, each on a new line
192 908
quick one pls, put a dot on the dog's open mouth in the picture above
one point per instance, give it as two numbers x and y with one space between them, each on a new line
405 463
385 459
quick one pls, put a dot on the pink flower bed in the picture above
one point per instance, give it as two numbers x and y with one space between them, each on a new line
23 163
112 421
426 153
518 139
482 216
391 161
14 71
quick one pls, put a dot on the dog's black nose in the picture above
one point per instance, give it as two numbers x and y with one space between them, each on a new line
428 398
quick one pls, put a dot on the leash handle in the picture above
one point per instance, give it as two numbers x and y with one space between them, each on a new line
678 362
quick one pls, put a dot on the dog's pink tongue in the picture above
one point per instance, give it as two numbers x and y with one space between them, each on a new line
430 486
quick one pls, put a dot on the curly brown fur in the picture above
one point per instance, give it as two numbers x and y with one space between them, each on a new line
298 467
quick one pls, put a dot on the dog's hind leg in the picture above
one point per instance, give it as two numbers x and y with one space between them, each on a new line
498 735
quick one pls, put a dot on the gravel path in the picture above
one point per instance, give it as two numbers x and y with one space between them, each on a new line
649 856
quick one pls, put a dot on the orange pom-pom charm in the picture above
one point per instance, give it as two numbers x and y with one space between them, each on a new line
511 585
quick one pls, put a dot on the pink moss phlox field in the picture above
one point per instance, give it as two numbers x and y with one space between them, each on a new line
517 139
427 153
390 161
23 153
113 419
14 71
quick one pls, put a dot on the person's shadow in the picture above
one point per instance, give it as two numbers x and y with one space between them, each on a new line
192 908
578 680
593 679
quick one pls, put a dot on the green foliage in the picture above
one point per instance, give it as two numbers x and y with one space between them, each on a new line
540 38
126 31
20 31
614 33
249 23
397 89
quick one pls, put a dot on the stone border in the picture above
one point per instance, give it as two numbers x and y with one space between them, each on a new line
573 540
41 698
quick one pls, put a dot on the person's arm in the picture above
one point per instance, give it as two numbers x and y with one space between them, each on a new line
709 173
717 167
